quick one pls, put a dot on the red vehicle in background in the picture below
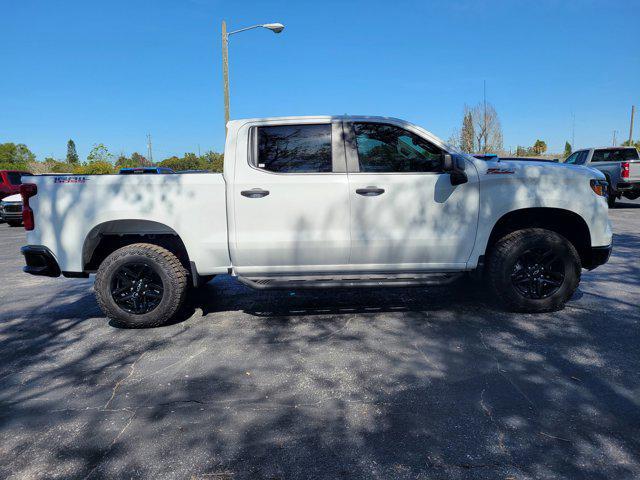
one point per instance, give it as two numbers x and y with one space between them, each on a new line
10 182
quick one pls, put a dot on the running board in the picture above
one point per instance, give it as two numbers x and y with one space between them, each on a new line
349 281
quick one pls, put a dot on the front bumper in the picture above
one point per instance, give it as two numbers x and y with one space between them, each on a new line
40 261
598 256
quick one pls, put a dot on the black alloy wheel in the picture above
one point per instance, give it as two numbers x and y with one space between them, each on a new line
538 273
137 288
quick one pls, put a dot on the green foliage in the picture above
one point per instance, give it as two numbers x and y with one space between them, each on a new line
140 160
15 156
627 143
124 162
100 161
97 167
99 153
467 134
567 149
211 161
72 155
539 147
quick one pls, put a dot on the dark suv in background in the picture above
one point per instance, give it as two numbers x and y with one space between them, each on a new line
621 166
10 182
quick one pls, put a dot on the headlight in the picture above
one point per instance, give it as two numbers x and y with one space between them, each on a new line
599 187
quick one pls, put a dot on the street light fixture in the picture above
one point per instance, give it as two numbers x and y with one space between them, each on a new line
274 27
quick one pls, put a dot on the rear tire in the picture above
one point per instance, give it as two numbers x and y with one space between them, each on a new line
13 223
611 197
141 285
533 270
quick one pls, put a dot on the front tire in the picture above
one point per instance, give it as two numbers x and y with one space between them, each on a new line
141 285
534 270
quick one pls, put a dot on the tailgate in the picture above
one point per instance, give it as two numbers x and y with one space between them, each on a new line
634 170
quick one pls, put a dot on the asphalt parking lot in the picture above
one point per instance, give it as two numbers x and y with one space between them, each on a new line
407 383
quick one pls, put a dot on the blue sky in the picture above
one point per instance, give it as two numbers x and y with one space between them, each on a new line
112 71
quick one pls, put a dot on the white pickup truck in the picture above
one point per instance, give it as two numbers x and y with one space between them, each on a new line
316 202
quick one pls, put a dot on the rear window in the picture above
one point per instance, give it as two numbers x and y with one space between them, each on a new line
295 148
14 178
615 155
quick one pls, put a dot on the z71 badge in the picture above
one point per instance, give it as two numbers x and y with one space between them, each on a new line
70 180
500 171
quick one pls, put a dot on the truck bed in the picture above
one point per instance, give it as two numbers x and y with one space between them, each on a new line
72 211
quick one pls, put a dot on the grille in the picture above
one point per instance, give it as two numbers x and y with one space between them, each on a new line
13 208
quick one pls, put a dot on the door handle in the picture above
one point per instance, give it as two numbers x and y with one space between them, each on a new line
370 191
254 193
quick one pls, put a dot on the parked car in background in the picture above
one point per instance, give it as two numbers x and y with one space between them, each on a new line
142 170
620 166
317 202
11 210
10 182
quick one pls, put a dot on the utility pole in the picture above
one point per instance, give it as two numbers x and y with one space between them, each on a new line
573 133
225 74
149 151
614 137
633 111
484 127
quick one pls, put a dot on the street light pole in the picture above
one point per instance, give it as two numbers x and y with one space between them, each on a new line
274 27
225 73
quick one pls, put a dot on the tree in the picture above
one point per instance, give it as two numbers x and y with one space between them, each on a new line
190 161
567 149
539 147
486 128
72 155
467 134
99 153
214 161
96 167
15 156
140 160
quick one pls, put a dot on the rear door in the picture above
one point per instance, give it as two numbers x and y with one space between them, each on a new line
290 198
405 214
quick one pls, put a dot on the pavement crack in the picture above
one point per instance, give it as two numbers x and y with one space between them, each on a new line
120 382
112 444
502 374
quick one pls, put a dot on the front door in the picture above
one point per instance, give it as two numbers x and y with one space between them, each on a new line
291 200
405 214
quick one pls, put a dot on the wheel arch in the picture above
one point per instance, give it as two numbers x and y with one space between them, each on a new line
564 222
104 238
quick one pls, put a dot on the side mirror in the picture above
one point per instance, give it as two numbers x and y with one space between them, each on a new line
455 167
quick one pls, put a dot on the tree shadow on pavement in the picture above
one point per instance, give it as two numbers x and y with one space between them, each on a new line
408 383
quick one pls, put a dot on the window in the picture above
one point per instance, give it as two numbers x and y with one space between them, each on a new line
386 148
615 155
572 158
295 148
578 158
14 178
